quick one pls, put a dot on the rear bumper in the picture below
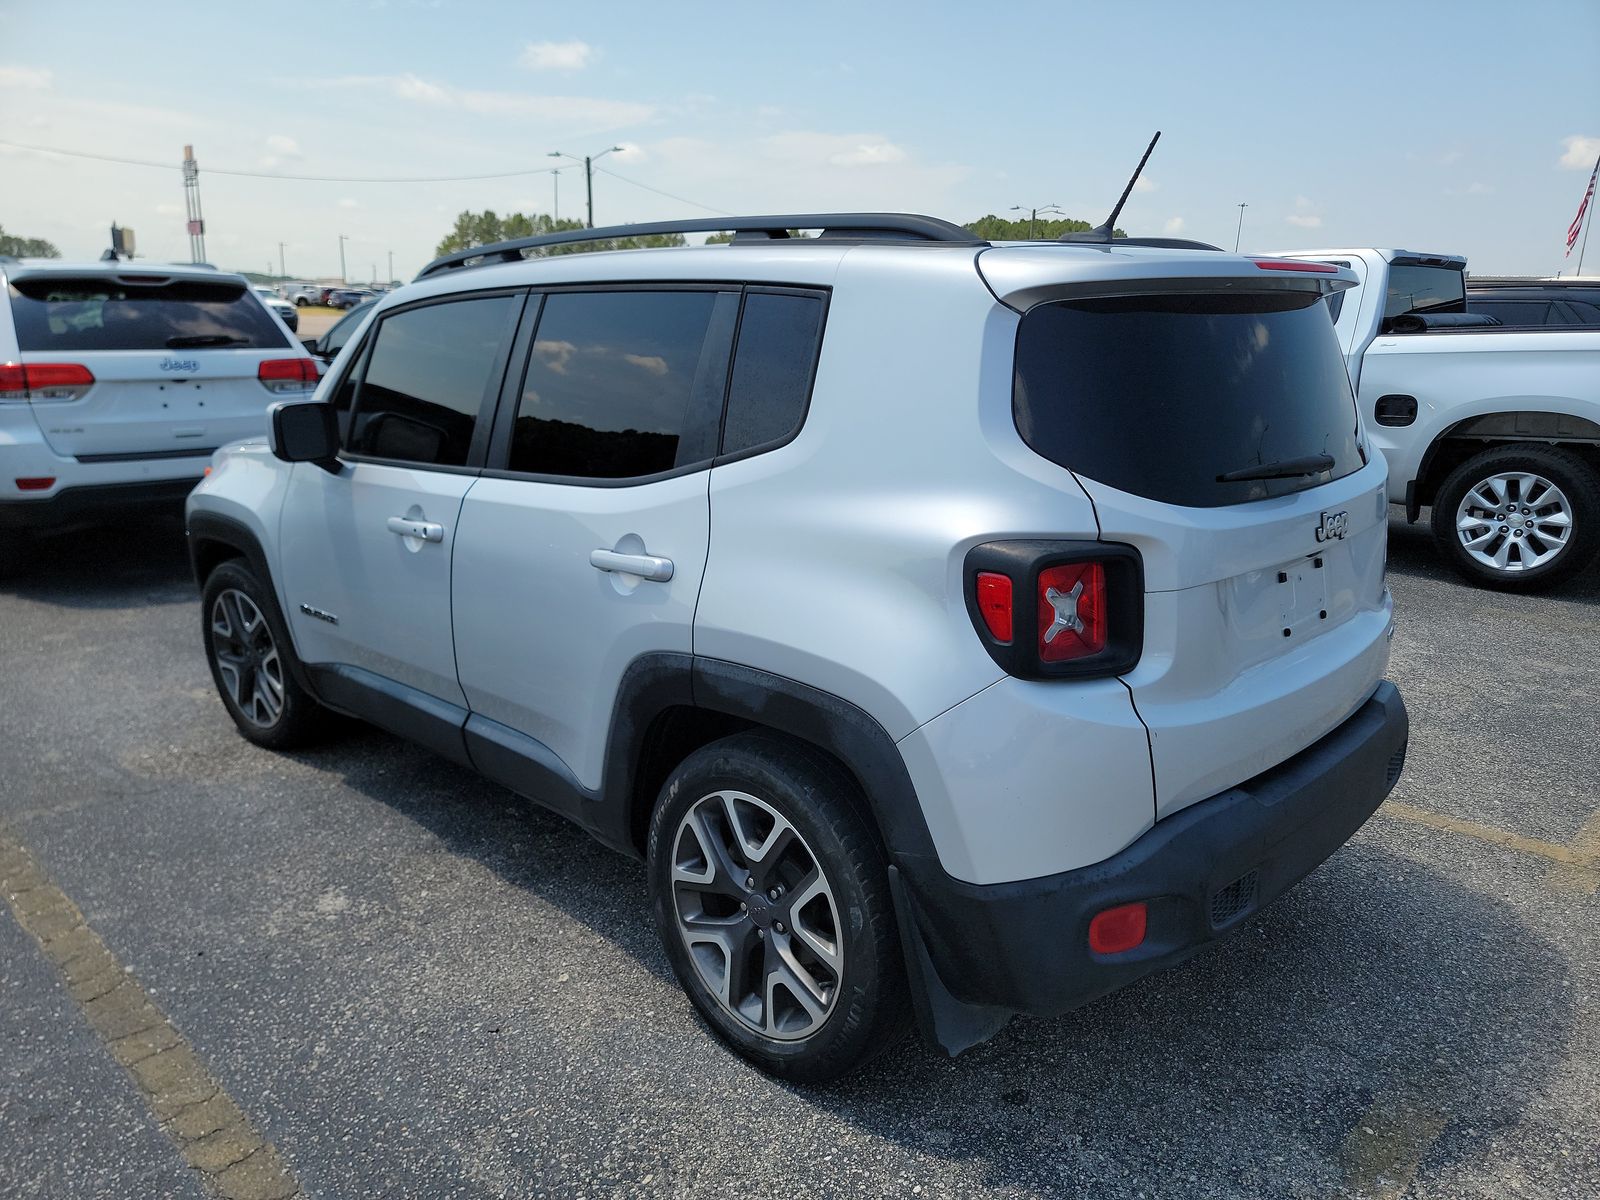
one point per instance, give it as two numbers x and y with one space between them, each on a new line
1023 947
71 506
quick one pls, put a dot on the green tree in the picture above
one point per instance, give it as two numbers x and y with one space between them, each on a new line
997 229
485 228
23 247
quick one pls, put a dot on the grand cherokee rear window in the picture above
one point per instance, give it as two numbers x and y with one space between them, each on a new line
64 313
1159 395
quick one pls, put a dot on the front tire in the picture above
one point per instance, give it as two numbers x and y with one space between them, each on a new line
252 660
771 897
1519 518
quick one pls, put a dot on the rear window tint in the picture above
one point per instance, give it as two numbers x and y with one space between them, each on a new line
772 369
1158 395
1424 290
62 313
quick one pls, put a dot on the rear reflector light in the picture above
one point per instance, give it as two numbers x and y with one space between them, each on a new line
994 602
287 374
36 483
1118 929
1295 264
44 382
1072 611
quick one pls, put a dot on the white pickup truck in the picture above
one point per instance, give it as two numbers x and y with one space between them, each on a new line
1497 429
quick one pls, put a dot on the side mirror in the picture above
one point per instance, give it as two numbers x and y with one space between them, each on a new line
311 345
305 431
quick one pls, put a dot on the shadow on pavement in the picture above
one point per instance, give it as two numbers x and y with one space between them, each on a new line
142 562
1375 987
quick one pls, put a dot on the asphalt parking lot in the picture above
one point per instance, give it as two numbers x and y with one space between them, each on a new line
410 984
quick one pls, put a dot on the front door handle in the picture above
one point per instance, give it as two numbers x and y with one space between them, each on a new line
428 531
646 566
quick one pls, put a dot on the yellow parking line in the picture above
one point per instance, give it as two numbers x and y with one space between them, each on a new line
1565 877
1384 1150
1583 859
212 1132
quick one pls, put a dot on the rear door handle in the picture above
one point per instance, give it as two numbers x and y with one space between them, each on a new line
428 531
646 566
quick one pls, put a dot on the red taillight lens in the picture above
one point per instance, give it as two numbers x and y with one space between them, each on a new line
36 483
994 603
1295 264
44 382
1118 929
287 374
1072 611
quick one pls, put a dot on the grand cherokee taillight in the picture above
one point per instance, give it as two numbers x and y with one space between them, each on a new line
1050 609
44 383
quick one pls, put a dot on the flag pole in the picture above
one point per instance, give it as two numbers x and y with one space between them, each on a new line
1584 249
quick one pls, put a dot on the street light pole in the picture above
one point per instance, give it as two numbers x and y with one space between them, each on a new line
588 162
282 274
343 278
1033 214
1238 233
391 268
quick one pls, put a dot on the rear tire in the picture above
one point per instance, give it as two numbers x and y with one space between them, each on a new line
252 660
1519 518
771 896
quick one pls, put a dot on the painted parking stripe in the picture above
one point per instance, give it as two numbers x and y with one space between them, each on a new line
1580 858
211 1131
1566 877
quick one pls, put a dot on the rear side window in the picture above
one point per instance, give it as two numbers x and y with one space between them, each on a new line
1518 312
1424 290
426 378
65 314
1159 395
621 384
773 365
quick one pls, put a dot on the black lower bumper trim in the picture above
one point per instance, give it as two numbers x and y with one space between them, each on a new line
1023 947
83 505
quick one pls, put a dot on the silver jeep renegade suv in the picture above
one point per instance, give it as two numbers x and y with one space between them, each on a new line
954 629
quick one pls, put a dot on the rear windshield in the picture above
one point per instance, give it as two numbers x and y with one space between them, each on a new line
1424 290
64 314
1158 395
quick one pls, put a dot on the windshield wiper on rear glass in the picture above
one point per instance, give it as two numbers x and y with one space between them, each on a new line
1288 468
185 341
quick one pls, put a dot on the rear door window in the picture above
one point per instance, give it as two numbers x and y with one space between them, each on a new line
427 376
623 384
780 334
64 314
1159 395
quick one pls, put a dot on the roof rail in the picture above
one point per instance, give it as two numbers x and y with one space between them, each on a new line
889 226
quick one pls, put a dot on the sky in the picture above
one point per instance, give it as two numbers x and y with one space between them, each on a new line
1456 127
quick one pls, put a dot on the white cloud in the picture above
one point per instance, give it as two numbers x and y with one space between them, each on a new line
631 152
572 110
1449 158
838 150
168 210
1304 215
1173 225
1581 152
33 78
281 148
347 202
557 56
1144 185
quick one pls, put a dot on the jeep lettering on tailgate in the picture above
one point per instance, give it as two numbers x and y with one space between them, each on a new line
1334 525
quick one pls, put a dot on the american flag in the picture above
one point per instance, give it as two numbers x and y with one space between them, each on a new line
1577 222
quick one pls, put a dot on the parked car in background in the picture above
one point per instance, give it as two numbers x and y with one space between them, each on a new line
327 347
302 294
1535 303
1084 674
289 314
1496 427
348 297
119 379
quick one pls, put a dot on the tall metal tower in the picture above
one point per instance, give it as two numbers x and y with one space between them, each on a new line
191 199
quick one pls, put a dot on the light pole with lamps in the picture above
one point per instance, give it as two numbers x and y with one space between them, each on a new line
343 238
282 274
1033 214
588 162
555 193
1239 233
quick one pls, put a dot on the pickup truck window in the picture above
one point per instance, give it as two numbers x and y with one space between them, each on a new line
1425 290
1159 395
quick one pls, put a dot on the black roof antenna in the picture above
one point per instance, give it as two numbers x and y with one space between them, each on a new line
1103 231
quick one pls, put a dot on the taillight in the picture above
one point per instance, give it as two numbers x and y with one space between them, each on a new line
288 374
1072 611
1118 929
44 383
1048 609
1295 264
36 483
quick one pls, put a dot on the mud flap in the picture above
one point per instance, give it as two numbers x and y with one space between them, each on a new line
945 1022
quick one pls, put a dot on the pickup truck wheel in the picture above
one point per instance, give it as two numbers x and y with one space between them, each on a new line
1519 518
251 660
301 302
771 896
